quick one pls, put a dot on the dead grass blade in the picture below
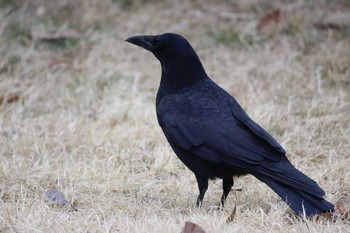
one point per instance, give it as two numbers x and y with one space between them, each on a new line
232 215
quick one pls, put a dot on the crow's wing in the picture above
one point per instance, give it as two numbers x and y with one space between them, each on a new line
240 115
217 134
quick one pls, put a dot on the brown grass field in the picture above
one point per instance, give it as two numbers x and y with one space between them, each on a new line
77 111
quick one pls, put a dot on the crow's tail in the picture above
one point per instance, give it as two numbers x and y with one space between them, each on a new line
301 193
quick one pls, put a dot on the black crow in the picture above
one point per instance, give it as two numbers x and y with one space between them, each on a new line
214 137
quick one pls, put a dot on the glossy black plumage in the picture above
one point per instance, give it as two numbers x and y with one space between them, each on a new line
213 136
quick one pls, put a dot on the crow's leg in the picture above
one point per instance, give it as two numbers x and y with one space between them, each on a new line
202 186
227 186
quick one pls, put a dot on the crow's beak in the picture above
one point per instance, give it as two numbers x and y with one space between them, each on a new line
146 42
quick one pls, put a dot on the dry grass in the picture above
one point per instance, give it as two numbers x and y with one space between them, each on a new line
79 116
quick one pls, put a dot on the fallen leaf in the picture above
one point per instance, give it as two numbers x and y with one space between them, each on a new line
6 197
56 197
12 97
269 20
232 215
339 213
341 208
192 228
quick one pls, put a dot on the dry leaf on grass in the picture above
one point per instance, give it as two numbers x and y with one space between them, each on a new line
269 21
341 208
192 228
10 98
340 213
56 197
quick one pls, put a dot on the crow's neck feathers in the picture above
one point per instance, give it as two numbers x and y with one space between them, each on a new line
182 68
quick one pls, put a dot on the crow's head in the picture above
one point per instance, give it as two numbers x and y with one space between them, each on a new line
180 63
168 47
